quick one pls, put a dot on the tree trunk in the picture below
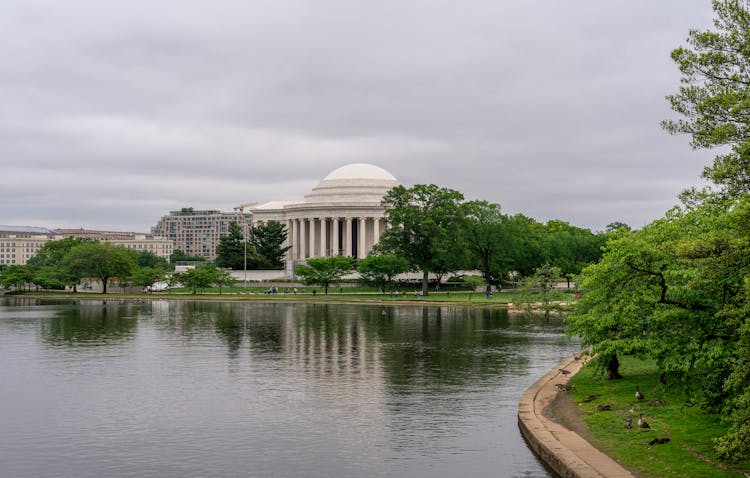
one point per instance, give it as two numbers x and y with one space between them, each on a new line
613 368
104 284
425 281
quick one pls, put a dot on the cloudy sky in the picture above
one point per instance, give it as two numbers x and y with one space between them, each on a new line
114 113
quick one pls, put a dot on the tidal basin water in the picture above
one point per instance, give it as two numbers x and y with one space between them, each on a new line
220 389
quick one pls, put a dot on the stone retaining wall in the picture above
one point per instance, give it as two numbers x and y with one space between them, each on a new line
562 449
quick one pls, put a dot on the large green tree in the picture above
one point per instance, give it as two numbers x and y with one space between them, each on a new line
233 251
48 264
324 271
425 222
268 240
102 260
381 270
715 96
571 248
485 236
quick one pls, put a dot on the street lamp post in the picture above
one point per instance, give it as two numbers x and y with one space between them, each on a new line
241 209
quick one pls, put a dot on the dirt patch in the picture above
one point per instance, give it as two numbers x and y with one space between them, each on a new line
564 411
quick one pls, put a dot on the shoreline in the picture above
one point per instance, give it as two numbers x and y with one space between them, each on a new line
301 298
564 450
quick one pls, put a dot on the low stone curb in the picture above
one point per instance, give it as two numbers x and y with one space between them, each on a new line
562 449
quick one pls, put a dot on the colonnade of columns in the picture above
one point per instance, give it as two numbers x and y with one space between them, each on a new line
332 236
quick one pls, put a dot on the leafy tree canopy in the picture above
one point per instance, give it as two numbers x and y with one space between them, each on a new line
425 223
102 260
381 270
324 271
715 96
268 240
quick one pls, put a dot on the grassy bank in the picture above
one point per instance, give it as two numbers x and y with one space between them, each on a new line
689 453
306 294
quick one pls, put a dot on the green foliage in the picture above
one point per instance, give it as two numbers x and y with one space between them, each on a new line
102 260
571 248
17 276
485 235
539 290
150 260
233 250
200 277
715 97
147 276
324 271
268 240
425 225
381 270
676 291
180 256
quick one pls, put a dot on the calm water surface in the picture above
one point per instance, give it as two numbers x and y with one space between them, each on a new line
190 389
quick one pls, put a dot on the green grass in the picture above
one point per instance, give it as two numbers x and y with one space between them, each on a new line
359 294
688 427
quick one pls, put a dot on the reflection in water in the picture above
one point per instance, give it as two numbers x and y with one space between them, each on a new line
226 389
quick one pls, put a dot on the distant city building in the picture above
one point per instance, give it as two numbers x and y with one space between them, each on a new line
197 233
341 216
18 244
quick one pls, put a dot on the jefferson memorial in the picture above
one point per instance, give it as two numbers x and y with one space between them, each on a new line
342 215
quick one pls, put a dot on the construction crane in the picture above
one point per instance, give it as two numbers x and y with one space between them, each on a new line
241 207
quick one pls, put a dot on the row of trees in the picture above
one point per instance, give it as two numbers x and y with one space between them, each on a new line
678 291
264 248
66 262
436 231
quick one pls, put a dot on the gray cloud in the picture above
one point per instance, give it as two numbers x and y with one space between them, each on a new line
115 113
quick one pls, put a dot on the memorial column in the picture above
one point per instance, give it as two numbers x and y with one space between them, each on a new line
361 238
348 238
323 237
335 237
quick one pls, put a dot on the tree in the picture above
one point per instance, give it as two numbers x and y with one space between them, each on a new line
179 256
50 271
16 275
233 251
268 241
147 276
571 248
324 271
486 239
222 278
381 270
715 96
149 259
425 222
197 278
102 260
538 289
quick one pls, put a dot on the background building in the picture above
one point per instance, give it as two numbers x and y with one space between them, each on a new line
342 215
197 233
18 244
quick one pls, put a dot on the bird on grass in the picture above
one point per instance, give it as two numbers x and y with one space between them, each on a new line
642 423
628 422
638 394
604 408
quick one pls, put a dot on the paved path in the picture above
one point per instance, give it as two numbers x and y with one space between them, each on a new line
562 449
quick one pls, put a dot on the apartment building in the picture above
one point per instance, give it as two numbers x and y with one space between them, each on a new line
197 232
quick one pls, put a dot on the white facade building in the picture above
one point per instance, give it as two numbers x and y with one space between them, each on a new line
342 215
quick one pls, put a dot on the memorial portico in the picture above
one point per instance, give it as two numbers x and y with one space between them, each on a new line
342 215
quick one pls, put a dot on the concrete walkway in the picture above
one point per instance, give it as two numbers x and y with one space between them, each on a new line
562 449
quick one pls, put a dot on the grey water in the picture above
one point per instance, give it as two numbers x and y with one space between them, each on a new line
95 388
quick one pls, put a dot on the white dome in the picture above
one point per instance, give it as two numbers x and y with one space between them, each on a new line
357 183
360 171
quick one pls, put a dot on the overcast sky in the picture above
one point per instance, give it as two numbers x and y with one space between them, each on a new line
114 113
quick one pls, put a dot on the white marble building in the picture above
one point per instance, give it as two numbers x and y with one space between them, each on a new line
342 215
